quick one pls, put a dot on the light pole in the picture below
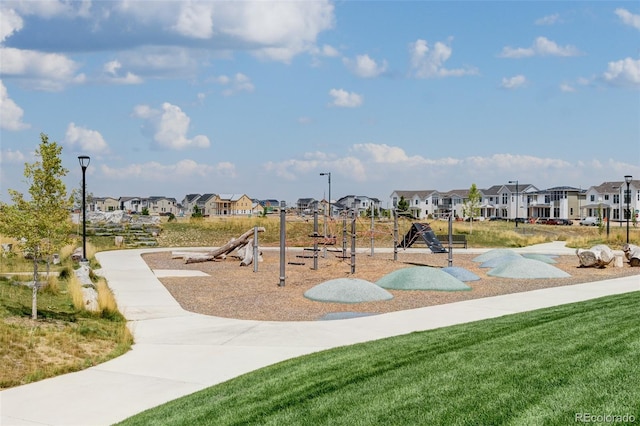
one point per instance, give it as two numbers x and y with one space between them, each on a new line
516 182
627 196
328 174
84 163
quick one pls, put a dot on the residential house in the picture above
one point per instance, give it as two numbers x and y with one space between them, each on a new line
207 204
189 202
233 205
270 206
257 208
105 204
453 202
163 206
498 200
561 202
306 205
131 204
361 203
610 199
422 204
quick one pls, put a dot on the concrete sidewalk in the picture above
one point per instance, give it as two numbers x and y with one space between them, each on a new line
177 352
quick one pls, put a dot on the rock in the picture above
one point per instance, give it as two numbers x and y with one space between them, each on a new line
597 256
632 253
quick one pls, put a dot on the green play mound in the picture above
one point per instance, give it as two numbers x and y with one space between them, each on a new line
347 290
526 268
421 278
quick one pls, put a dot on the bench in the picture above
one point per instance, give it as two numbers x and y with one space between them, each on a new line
456 240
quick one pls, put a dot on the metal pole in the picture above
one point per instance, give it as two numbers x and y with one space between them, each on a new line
372 227
282 242
84 163
84 217
344 235
395 234
255 249
450 255
353 240
627 195
315 239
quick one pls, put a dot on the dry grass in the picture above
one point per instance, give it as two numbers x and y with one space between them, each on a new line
74 288
106 300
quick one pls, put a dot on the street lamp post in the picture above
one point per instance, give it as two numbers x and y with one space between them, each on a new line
516 182
627 196
84 163
328 174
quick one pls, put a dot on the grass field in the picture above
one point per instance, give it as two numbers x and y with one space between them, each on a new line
541 367
218 231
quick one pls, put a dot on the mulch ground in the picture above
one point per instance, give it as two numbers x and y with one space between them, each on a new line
235 291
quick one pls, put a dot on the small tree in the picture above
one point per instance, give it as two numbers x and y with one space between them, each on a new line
41 225
197 214
472 205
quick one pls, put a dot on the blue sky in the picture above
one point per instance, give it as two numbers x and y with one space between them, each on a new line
177 97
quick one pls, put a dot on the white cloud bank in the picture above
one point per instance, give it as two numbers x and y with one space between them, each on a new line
513 82
428 62
364 66
628 18
541 46
80 139
169 126
344 99
10 113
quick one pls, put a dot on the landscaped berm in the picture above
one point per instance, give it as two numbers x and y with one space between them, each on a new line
225 289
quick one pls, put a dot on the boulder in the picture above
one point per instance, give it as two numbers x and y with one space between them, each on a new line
597 256
632 253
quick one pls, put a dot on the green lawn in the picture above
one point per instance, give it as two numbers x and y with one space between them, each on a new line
541 367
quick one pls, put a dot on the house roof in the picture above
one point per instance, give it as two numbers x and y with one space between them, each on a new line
190 198
205 197
419 194
230 197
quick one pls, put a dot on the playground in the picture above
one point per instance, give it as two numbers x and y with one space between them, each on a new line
225 289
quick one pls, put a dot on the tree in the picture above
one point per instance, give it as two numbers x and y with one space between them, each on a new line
403 205
472 205
197 214
41 224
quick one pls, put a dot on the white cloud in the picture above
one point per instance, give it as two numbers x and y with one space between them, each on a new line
113 75
10 156
169 127
235 84
285 29
541 46
625 72
628 18
342 98
513 82
10 22
370 167
548 20
429 62
80 139
195 20
567 88
155 172
44 71
10 113
364 66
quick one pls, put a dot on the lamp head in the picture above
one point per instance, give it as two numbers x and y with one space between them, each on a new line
627 179
84 161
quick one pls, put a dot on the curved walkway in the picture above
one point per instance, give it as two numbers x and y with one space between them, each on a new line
179 352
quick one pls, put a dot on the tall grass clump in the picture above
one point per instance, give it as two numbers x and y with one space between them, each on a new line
52 284
106 300
74 288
